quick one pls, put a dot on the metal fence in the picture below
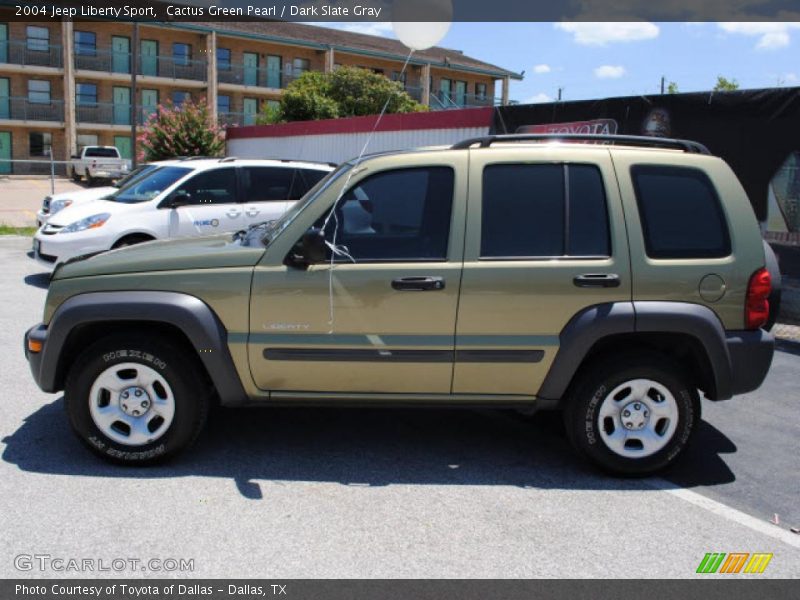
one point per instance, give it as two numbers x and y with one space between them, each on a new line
44 166
23 109
111 61
31 53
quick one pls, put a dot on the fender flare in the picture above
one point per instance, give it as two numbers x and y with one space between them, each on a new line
189 314
595 323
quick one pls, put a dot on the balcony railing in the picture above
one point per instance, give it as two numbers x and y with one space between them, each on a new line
109 61
35 54
106 113
22 109
445 101
255 76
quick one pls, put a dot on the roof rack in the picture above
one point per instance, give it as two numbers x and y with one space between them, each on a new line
185 158
228 159
627 140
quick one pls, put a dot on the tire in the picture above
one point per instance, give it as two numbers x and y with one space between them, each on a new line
123 426
663 411
90 180
75 177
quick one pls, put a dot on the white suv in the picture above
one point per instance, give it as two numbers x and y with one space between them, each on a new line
180 198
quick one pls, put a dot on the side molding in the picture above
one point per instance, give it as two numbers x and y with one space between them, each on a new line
189 314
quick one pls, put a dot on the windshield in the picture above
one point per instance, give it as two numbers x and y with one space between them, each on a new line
137 173
148 187
275 228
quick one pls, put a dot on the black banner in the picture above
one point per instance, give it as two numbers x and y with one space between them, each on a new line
408 10
732 588
754 131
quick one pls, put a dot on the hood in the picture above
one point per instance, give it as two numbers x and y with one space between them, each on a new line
83 195
166 255
76 212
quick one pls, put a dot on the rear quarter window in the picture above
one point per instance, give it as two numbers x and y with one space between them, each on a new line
681 213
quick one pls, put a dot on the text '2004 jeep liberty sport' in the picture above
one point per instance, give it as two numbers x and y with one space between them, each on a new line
611 280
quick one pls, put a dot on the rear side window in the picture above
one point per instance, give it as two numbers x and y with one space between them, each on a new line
262 184
543 210
680 212
305 180
101 153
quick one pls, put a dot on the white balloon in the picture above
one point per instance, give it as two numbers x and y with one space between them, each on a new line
421 35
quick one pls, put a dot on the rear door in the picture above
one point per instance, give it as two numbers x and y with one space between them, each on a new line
213 206
545 236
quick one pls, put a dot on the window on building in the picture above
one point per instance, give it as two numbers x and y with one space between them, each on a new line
179 97
680 213
86 139
38 91
223 59
528 211
181 53
300 66
398 76
274 104
86 94
223 104
397 215
38 38
480 91
41 143
85 43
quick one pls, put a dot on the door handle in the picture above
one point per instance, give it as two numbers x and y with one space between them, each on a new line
233 213
252 212
597 280
418 284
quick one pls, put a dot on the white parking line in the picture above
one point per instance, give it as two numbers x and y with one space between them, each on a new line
725 511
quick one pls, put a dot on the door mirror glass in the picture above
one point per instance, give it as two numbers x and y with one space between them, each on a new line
310 249
180 199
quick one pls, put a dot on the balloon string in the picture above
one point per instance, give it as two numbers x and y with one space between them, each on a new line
341 250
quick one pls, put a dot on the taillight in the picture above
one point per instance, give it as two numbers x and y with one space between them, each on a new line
756 308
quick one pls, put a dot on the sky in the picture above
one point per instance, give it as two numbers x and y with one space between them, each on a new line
601 60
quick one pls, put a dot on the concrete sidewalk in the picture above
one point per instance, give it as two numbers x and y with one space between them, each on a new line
21 198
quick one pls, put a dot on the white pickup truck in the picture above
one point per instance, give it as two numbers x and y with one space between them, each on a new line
98 162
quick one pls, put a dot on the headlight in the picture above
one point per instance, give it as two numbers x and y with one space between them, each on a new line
92 222
57 205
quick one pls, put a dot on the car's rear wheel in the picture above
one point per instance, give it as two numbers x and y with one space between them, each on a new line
632 415
135 401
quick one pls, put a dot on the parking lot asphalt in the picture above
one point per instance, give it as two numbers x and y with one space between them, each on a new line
20 198
389 493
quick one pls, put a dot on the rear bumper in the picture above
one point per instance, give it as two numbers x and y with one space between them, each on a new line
39 334
751 356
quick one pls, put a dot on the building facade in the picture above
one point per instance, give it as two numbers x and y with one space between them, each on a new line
68 84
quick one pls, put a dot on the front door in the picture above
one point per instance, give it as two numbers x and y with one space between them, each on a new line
250 64
5 100
149 102
149 58
384 323
274 69
212 207
445 86
3 43
123 144
5 152
250 109
120 54
461 93
543 241
122 105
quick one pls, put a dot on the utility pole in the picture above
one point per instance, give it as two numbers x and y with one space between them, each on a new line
662 85
559 94
134 104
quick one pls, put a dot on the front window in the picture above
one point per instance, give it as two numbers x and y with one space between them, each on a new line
480 91
150 186
40 143
85 43
300 66
181 53
38 91
179 97
86 94
223 104
38 38
223 59
211 187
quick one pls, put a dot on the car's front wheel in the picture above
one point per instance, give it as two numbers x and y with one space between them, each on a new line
632 415
136 401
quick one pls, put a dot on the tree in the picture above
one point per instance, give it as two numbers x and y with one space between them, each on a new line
187 130
345 92
726 85
672 87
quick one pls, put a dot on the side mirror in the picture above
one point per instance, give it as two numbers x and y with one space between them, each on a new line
313 246
179 199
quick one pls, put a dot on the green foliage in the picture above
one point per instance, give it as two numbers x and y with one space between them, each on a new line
186 131
726 85
345 92
672 87
269 115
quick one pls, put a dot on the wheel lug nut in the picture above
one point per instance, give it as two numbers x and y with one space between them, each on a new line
627 413
637 406
125 395
138 393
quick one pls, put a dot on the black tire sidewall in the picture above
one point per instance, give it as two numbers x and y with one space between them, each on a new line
191 400
583 423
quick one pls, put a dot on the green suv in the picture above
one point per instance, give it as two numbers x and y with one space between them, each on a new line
613 280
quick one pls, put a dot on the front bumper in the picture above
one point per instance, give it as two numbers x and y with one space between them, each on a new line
53 249
37 333
751 356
